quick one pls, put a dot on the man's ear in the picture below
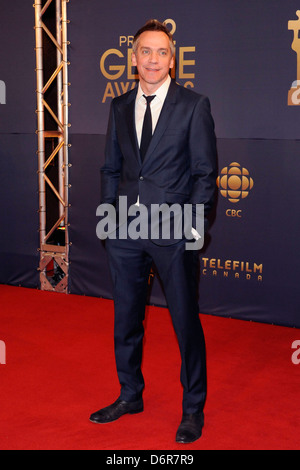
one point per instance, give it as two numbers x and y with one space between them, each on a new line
133 59
172 63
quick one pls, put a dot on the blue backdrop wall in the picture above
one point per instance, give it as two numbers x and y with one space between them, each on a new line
19 222
237 53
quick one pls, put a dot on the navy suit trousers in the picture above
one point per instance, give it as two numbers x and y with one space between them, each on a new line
130 263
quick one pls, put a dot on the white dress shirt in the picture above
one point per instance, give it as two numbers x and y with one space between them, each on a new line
156 107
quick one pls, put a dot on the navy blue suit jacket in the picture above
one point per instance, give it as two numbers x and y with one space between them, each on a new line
180 164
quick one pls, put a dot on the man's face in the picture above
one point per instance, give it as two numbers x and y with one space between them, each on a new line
153 60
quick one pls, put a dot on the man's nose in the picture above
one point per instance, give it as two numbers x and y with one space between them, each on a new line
154 57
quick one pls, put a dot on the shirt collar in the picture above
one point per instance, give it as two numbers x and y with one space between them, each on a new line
161 93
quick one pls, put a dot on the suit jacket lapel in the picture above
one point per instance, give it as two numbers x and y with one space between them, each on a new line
130 120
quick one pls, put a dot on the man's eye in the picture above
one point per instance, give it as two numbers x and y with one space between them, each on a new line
145 52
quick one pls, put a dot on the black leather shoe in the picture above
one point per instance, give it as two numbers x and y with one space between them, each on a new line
190 428
116 410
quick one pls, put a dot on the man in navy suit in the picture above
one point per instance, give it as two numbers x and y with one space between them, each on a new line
176 164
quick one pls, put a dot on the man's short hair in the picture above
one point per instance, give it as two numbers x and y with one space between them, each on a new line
153 25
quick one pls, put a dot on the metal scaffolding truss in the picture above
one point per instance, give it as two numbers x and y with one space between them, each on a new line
53 144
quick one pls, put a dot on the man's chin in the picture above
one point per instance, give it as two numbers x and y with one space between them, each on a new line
151 79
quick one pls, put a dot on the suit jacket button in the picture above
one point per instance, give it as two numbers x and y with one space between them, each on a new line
141 178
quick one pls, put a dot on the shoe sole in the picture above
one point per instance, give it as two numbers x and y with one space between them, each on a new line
187 442
113 420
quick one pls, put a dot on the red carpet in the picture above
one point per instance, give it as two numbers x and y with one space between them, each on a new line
60 368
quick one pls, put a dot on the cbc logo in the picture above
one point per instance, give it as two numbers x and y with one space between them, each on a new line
234 213
235 184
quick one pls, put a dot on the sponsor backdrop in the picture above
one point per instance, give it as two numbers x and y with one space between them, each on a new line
245 56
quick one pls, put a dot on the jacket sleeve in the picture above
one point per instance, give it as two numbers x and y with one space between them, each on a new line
110 172
203 158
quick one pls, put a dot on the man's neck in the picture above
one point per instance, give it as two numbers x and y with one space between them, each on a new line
149 89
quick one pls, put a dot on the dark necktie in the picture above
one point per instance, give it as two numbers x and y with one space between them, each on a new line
147 128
